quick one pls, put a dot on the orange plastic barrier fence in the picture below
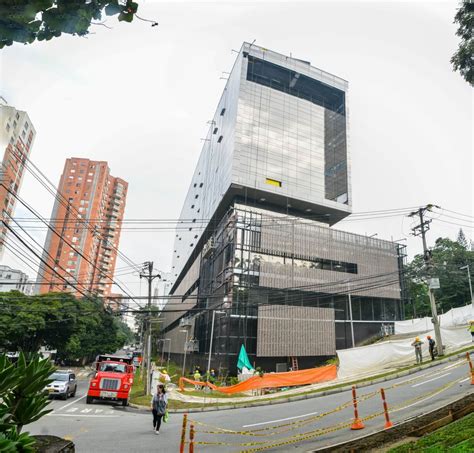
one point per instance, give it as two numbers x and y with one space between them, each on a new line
273 380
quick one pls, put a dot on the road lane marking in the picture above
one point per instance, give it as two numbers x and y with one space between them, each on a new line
73 409
453 365
464 380
86 411
418 402
430 380
280 420
71 403
80 415
412 379
98 411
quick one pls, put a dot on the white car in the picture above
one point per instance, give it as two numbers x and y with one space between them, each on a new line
64 384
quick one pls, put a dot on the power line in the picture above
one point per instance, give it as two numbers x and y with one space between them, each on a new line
61 237
58 196
52 268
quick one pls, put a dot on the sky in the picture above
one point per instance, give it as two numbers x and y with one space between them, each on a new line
139 97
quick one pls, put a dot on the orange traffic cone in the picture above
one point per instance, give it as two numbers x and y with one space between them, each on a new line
357 423
388 423
471 369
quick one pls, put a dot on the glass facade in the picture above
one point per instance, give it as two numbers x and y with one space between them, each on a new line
232 278
295 84
272 176
287 143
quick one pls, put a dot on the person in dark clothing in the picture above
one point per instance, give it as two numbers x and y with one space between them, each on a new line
431 344
159 402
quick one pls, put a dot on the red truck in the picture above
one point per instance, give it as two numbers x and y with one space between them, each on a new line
112 380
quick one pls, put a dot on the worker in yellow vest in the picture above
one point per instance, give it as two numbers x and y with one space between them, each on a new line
471 329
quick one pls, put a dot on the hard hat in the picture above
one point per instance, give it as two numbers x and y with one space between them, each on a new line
417 339
164 372
429 338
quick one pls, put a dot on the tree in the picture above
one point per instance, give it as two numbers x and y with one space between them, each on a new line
462 60
462 240
76 328
447 257
140 320
25 21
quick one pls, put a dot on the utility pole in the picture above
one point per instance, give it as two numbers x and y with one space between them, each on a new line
470 283
420 230
148 268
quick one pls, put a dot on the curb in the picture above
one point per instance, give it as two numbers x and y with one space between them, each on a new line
315 394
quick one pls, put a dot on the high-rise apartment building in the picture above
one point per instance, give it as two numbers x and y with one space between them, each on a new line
17 136
256 260
14 279
86 223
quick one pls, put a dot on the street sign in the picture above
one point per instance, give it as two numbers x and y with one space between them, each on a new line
434 283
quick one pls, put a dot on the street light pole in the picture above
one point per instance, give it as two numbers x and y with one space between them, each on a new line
212 337
352 320
470 283
163 342
185 351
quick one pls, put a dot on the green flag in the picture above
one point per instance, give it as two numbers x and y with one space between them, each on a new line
243 360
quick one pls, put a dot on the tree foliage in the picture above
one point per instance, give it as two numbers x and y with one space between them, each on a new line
462 239
447 258
22 399
76 328
140 322
462 60
25 21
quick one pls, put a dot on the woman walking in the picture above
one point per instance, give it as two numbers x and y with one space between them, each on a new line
159 402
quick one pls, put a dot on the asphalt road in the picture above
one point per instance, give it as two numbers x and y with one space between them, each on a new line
107 428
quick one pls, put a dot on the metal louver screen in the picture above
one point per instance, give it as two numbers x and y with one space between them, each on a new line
288 331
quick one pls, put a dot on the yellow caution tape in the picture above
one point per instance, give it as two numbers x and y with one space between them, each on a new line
264 445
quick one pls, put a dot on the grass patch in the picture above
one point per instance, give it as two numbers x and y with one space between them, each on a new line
203 394
137 392
455 437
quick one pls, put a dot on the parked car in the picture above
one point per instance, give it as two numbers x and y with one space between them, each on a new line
63 385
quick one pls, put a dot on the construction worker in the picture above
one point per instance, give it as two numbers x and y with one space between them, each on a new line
417 345
212 377
471 329
431 344
197 377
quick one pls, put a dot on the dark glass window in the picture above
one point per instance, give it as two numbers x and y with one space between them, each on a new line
215 130
220 139
222 112
299 85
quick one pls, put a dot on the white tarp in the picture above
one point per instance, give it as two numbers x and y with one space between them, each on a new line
389 354
455 317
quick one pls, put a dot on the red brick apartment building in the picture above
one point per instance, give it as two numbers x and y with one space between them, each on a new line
87 219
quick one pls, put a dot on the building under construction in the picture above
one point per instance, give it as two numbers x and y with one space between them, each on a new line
256 260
